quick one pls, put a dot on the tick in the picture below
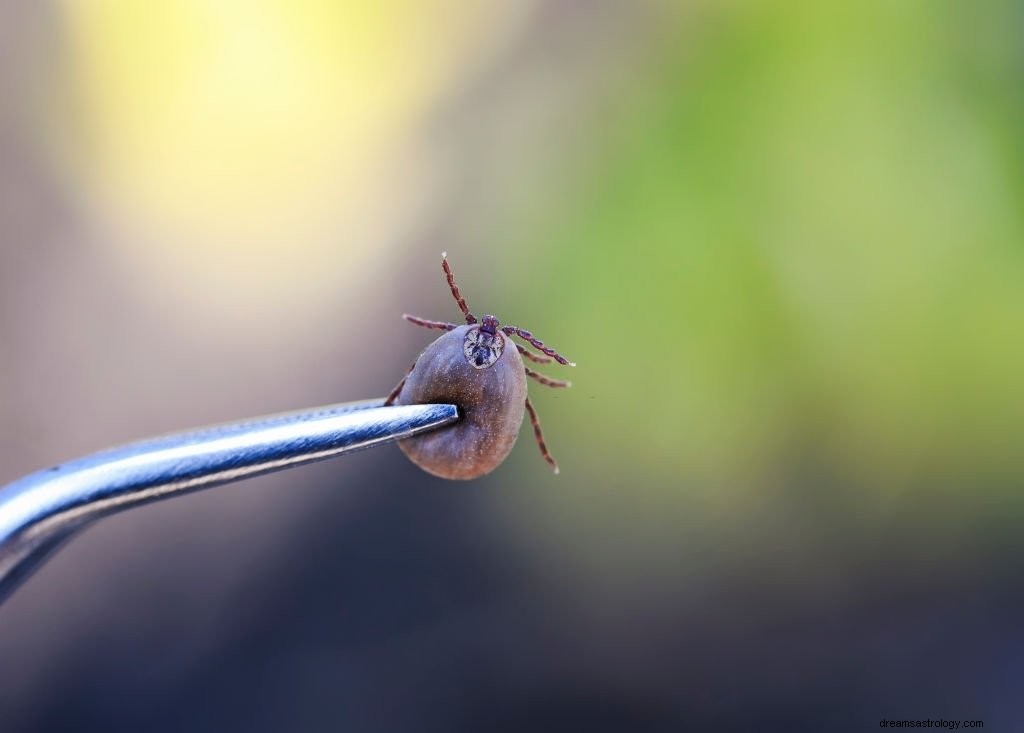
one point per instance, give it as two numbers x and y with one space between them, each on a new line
474 367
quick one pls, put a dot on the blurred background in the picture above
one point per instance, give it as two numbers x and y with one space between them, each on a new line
783 241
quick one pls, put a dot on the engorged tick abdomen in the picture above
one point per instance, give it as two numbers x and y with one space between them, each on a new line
491 402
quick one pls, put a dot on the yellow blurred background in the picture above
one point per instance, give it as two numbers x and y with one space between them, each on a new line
783 241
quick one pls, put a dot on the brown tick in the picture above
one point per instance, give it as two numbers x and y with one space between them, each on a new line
470 366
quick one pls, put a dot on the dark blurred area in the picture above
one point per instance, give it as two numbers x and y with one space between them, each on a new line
782 241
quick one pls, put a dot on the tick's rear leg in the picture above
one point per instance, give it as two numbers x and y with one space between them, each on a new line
398 390
439 325
537 358
470 318
546 381
540 436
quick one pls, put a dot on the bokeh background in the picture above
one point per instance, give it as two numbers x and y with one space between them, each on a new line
783 241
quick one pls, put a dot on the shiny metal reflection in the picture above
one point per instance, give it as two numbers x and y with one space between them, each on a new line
39 512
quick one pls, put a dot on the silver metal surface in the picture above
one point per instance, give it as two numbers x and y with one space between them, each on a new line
39 512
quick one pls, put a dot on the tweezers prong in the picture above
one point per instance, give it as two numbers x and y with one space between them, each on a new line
38 512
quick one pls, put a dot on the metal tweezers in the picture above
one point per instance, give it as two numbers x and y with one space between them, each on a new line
41 511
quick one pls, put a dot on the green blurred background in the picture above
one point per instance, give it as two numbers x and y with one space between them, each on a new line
783 241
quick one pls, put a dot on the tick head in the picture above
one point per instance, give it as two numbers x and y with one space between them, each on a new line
489 325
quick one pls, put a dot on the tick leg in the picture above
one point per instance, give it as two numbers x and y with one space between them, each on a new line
439 325
470 318
540 436
533 357
537 344
546 381
398 390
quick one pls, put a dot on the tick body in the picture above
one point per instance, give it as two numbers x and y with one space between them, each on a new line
491 401
478 368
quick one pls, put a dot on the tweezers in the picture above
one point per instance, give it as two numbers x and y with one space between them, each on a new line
41 511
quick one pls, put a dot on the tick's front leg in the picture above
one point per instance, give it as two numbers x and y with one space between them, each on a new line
536 343
438 325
